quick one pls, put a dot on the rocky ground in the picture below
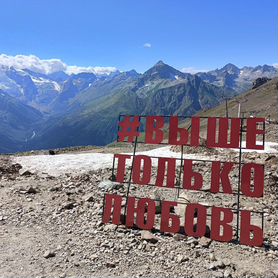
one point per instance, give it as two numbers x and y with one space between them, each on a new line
50 226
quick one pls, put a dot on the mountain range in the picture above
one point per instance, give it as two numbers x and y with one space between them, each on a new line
42 111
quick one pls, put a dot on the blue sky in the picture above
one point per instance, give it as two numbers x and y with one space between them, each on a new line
203 34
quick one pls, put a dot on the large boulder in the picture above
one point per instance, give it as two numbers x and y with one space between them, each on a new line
260 81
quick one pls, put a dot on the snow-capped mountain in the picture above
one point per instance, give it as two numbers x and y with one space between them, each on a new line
237 79
38 83
80 106
35 89
41 90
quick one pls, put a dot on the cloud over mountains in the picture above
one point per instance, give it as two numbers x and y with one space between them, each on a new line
48 66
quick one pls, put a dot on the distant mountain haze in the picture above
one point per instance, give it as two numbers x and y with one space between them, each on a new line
41 110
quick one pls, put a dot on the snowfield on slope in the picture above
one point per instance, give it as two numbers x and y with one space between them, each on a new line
61 164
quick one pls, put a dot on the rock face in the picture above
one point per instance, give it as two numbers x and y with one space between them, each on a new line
260 81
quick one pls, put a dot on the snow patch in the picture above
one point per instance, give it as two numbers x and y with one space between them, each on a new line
57 165
39 81
60 164
57 86
4 87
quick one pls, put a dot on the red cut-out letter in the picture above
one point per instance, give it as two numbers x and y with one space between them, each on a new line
217 223
121 166
171 171
147 168
258 178
144 205
154 132
166 216
188 174
112 206
221 176
195 132
177 135
251 133
199 229
129 222
246 229
223 130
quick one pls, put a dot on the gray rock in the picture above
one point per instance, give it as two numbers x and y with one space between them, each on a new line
25 173
88 198
31 190
110 227
274 243
197 254
205 242
110 265
217 274
227 273
49 254
28 190
149 237
216 265
69 205
94 257
178 237
107 185
219 264
192 240
182 258
212 257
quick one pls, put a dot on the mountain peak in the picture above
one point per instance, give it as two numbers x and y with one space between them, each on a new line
266 68
162 71
160 63
132 73
230 68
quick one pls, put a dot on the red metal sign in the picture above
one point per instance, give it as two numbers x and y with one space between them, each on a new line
221 133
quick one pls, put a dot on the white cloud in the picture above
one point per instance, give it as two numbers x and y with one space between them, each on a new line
147 45
275 65
193 70
33 63
95 70
36 64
